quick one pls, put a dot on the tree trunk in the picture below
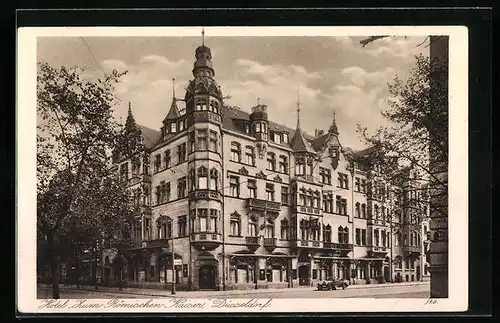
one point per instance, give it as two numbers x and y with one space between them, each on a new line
77 269
95 268
54 267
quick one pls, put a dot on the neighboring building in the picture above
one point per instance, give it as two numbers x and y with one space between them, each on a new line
249 203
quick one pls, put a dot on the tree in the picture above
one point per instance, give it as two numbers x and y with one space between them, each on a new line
76 132
417 130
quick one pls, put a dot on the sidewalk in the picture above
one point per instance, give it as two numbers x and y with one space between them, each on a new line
167 293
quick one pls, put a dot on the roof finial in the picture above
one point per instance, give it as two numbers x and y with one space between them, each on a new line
173 88
203 36
298 108
333 115
258 101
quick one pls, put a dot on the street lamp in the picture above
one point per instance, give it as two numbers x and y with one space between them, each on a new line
173 256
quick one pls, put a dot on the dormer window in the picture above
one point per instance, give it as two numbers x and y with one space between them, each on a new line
214 106
181 125
257 127
247 128
173 127
285 138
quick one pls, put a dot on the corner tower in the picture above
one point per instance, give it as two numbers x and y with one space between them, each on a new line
205 173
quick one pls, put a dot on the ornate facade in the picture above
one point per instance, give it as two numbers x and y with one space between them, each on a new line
243 202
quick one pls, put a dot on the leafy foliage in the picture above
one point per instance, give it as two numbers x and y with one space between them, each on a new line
408 150
76 206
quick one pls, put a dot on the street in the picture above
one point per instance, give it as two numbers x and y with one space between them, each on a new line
420 290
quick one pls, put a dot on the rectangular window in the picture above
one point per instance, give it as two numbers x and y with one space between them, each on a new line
158 194
181 152
358 236
234 186
363 186
284 195
202 139
182 225
181 125
343 180
192 142
270 192
157 163
363 237
376 238
166 159
252 188
283 165
271 161
147 229
357 185
250 156
213 221
285 138
214 144
181 187
173 127
235 152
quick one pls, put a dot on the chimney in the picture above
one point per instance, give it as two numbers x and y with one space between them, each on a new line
320 133
316 131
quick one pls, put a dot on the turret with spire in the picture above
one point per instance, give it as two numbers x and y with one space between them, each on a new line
203 92
299 142
171 120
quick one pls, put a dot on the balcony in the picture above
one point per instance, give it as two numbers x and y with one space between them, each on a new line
270 244
205 195
411 251
337 246
309 210
308 244
252 243
257 204
377 251
149 244
206 240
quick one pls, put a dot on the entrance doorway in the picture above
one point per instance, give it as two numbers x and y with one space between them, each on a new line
206 277
387 275
304 275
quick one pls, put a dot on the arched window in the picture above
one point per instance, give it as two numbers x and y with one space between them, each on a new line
346 235
214 174
377 212
363 210
192 180
284 229
250 155
252 226
235 224
327 233
418 239
340 234
164 226
202 178
299 166
357 210
309 166
201 105
303 229
397 238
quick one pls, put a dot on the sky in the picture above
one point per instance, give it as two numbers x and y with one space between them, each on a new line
333 74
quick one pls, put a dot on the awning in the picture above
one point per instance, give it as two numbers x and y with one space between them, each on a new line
332 257
263 256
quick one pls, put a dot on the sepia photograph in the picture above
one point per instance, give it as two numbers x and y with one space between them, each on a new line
243 166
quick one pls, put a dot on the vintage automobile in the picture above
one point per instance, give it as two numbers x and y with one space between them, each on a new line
332 284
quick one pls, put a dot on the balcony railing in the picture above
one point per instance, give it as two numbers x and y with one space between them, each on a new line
205 195
206 240
378 249
411 250
252 240
309 210
270 241
264 205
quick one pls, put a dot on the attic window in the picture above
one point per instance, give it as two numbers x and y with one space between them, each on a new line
247 128
173 127
285 138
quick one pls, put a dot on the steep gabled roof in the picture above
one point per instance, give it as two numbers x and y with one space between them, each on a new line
300 144
173 113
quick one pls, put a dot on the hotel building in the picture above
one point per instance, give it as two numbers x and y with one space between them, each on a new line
243 202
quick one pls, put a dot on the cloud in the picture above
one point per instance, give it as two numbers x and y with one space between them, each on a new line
114 64
360 77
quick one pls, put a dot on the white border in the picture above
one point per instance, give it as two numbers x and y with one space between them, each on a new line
458 165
